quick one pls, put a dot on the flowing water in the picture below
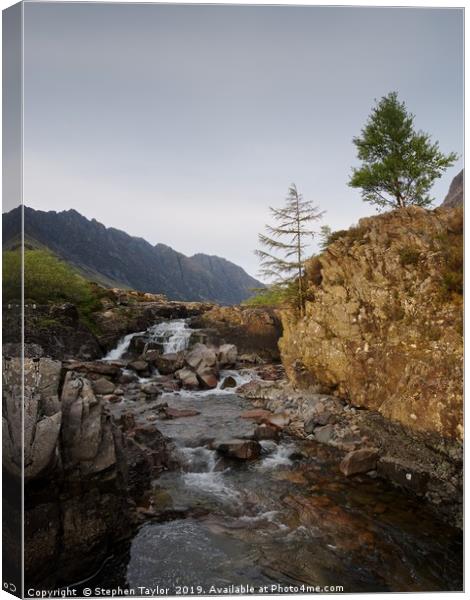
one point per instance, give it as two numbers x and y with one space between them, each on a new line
289 518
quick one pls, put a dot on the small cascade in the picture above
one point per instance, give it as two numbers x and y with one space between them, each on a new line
174 335
122 347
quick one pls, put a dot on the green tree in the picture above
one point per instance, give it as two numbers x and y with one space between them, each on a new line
399 164
289 239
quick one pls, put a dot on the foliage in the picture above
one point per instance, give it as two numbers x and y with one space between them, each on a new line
399 164
46 280
289 239
274 295
409 256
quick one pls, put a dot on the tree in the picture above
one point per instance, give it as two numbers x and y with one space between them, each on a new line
289 238
399 164
325 235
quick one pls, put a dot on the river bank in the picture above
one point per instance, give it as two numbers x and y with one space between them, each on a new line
214 490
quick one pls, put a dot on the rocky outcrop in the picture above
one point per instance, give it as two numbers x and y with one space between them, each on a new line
81 473
455 194
254 331
383 323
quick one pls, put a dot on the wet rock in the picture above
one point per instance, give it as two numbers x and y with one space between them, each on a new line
207 376
151 388
228 382
227 355
188 378
201 356
359 461
241 449
128 377
175 413
103 386
138 365
257 414
266 432
169 363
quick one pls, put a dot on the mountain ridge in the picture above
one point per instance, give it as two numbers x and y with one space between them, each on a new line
112 256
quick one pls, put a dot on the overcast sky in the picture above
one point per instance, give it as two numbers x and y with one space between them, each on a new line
182 124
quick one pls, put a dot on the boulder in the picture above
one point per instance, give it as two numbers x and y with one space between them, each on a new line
188 378
359 461
324 434
228 382
266 432
241 449
151 388
227 355
201 356
207 376
128 377
169 363
103 386
138 365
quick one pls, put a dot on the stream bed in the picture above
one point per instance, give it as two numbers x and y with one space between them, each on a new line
280 523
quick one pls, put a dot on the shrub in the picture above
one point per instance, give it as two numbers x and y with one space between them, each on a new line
409 256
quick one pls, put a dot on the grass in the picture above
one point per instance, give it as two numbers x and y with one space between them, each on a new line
47 280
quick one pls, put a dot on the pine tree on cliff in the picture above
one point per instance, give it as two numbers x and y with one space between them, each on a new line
289 240
399 164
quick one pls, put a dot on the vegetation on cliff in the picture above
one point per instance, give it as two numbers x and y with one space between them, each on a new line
383 324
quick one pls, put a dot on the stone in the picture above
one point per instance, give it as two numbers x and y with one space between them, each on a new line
228 382
151 388
138 365
169 363
128 377
227 355
266 432
319 419
201 356
257 414
359 461
207 377
176 413
127 421
241 449
103 386
324 434
278 419
188 378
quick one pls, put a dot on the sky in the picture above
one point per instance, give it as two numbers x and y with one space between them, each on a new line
182 124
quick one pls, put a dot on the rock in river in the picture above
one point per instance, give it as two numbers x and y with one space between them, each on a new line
359 461
241 449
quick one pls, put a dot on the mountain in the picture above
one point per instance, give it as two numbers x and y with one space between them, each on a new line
455 194
114 258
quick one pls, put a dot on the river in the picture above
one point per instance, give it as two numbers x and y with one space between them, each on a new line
286 520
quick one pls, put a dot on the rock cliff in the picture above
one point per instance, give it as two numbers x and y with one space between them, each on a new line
383 323
455 194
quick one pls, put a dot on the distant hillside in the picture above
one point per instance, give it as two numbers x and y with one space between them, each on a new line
114 258
455 194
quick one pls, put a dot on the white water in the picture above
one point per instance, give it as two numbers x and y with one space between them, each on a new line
118 352
173 335
278 455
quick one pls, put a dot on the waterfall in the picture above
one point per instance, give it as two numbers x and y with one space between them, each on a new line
174 335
